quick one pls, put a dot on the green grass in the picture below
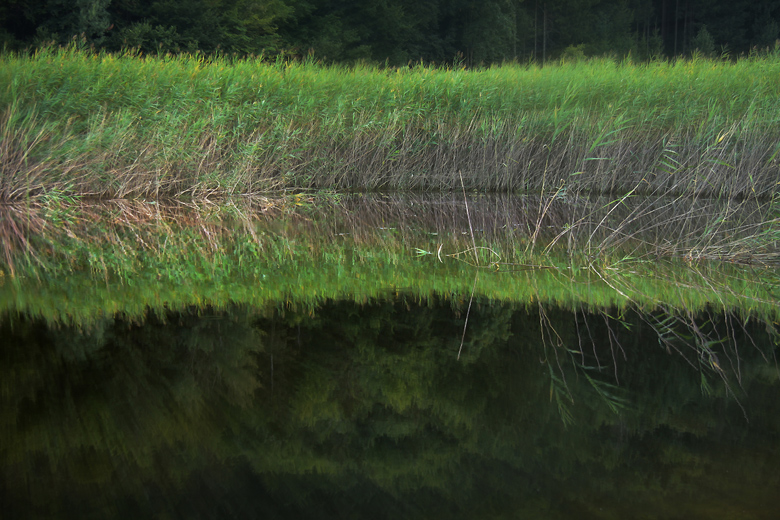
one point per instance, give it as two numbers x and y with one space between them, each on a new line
77 263
125 126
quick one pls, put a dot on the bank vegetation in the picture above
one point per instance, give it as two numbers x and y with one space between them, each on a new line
74 123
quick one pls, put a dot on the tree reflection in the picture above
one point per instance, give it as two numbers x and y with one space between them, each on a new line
91 415
355 410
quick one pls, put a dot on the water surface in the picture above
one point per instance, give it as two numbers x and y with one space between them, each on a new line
356 359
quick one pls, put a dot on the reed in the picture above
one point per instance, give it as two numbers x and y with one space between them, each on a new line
133 257
127 125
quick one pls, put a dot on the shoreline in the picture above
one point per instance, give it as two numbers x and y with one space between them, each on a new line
121 126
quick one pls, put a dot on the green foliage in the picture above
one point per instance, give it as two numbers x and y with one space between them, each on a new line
151 39
400 32
703 43
130 257
223 126
573 54
67 20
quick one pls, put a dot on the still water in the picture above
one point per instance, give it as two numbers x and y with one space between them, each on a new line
401 383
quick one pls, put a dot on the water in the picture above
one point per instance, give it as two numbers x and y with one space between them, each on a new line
333 371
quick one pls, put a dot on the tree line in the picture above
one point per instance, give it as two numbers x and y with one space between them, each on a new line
399 32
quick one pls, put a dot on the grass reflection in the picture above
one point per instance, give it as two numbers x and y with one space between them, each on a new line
78 262
202 410
308 343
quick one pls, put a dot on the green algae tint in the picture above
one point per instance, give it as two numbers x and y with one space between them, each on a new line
370 358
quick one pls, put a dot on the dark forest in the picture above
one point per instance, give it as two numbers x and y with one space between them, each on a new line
400 32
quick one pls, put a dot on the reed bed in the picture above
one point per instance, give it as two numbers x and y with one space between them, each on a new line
118 126
82 261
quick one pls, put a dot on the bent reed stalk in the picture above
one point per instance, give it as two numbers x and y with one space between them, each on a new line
131 256
117 126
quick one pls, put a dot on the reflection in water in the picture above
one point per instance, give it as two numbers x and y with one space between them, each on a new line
347 410
77 263
305 361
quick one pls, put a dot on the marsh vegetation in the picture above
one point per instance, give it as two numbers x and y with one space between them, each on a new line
126 125
580 251
372 276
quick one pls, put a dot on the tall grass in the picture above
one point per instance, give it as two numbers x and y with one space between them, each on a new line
126 125
80 261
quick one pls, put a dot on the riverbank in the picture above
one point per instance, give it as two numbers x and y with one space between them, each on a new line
126 126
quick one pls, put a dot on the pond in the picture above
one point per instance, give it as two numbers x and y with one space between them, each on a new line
390 357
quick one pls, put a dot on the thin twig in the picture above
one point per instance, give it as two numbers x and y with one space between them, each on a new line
468 216
468 311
